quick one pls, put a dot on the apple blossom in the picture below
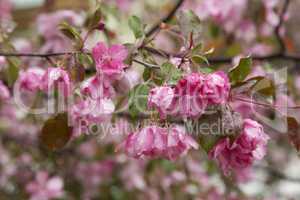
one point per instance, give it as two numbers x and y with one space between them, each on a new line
189 100
161 98
56 77
238 156
110 60
97 87
90 111
31 79
45 187
154 141
216 88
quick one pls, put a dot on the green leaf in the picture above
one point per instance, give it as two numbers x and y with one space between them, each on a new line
12 71
171 74
241 71
94 19
136 26
138 98
147 74
56 132
71 33
197 49
189 23
206 70
198 59
265 87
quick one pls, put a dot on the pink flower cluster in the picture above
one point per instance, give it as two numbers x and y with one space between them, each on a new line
44 187
35 79
98 91
238 156
191 95
154 141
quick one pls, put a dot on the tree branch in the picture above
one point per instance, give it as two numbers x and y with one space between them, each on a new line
165 19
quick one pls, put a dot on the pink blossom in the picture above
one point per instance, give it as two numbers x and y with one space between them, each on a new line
253 134
227 13
297 82
260 49
97 87
246 31
110 60
45 188
130 79
189 100
31 79
92 174
161 99
179 142
216 88
154 141
90 111
4 92
124 5
5 9
239 155
56 77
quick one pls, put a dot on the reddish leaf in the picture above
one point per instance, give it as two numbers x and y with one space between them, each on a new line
294 132
56 132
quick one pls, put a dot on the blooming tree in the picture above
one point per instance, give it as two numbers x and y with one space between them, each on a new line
102 104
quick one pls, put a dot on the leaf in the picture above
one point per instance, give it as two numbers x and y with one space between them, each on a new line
171 74
189 23
138 98
198 59
264 87
136 26
94 19
146 74
206 70
197 49
78 73
12 71
56 132
294 132
241 71
71 33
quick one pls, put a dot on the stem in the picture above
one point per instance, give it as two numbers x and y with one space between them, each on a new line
264 104
165 19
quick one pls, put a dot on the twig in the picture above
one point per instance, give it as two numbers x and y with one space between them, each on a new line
41 55
165 19
149 65
221 60
265 104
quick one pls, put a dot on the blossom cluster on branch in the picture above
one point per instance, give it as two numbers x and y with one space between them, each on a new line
102 104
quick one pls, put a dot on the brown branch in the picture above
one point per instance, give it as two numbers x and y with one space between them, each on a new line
165 19
41 55
282 47
264 104
220 60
